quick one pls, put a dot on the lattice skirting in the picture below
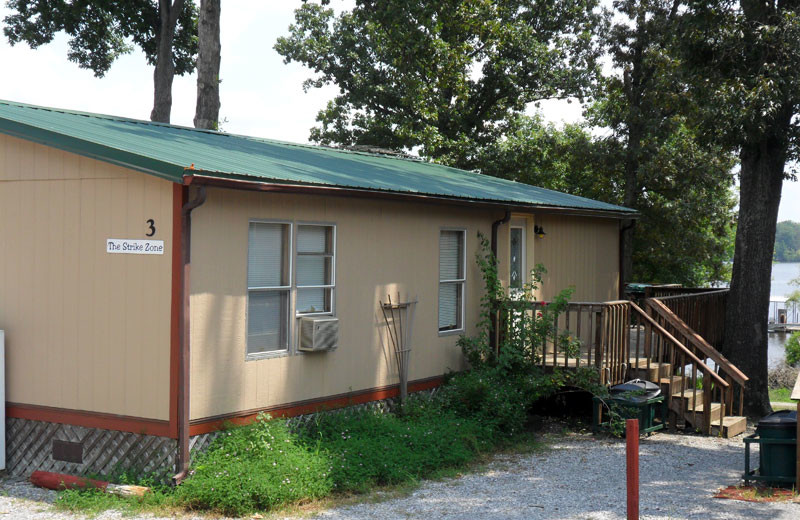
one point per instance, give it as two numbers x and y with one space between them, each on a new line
75 450
31 446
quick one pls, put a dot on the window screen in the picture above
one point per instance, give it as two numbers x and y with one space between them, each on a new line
451 280
315 260
267 287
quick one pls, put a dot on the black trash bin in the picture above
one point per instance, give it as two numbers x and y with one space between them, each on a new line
636 391
776 436
778 460
635 399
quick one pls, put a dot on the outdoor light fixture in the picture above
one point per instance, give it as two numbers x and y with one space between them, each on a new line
539 231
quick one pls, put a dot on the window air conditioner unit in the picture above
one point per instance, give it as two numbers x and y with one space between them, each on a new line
319 334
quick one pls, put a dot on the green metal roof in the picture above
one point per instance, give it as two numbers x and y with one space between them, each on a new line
168 150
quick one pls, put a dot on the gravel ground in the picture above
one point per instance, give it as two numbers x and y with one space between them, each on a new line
580 477
575 477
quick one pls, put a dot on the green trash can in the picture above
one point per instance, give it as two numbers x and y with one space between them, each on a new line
778 459
636 399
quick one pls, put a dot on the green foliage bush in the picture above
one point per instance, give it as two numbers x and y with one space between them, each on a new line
369 448
793 349
504 384
256 468
497 400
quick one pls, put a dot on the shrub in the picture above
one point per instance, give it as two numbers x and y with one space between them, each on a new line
368 448
504 401
793 349
255 468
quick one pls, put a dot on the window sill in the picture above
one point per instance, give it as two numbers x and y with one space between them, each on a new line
451 332
267 355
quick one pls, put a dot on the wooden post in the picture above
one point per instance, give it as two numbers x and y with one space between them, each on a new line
796 397
632 459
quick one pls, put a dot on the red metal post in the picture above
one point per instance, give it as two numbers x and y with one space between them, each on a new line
632 451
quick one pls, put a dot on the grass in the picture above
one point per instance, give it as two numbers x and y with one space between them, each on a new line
93 501
782 395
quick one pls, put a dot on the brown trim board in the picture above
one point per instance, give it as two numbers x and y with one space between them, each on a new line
176 305
194 177
159 428
105 421
210 424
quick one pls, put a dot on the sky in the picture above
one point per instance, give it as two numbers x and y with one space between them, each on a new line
260 95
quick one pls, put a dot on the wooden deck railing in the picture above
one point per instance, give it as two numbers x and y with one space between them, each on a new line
703 311
703 349
619 339
687 371
580 320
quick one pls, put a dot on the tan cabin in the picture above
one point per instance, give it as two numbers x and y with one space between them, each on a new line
155 280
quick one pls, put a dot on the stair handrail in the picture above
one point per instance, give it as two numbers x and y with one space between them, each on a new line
698 341
688 353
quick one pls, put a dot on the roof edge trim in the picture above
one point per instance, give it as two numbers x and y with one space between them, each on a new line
194 177
160 169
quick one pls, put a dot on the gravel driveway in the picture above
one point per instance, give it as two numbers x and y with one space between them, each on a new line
576 477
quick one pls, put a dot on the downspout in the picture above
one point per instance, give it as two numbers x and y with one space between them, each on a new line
622 231
495 225
183 372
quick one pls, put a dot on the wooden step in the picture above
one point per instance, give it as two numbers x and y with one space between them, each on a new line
638 369
674 383
700 408
689 397
732 425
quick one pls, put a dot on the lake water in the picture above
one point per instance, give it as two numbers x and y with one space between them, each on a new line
782 274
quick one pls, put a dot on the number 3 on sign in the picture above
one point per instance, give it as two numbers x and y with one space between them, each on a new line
151 226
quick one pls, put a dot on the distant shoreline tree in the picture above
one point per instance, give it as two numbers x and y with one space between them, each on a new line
165 31
787 241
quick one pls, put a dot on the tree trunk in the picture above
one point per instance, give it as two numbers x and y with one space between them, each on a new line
747 312
634 92
165 66
629 200
208 58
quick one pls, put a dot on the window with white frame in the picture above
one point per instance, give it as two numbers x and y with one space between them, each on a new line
451 279
268 287
315 269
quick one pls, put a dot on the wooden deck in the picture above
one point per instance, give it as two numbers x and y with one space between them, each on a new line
623 342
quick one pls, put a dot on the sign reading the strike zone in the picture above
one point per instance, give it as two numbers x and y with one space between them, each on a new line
134 247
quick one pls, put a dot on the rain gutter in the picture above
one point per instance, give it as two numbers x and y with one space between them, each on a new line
183 372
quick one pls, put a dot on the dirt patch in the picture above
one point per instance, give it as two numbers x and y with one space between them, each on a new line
758 494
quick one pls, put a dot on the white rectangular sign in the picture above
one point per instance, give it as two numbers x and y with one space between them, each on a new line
127 246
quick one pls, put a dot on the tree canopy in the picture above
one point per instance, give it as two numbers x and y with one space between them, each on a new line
454 84
99 33
686 196
441 76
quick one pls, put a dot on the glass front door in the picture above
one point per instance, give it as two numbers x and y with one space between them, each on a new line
517 268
